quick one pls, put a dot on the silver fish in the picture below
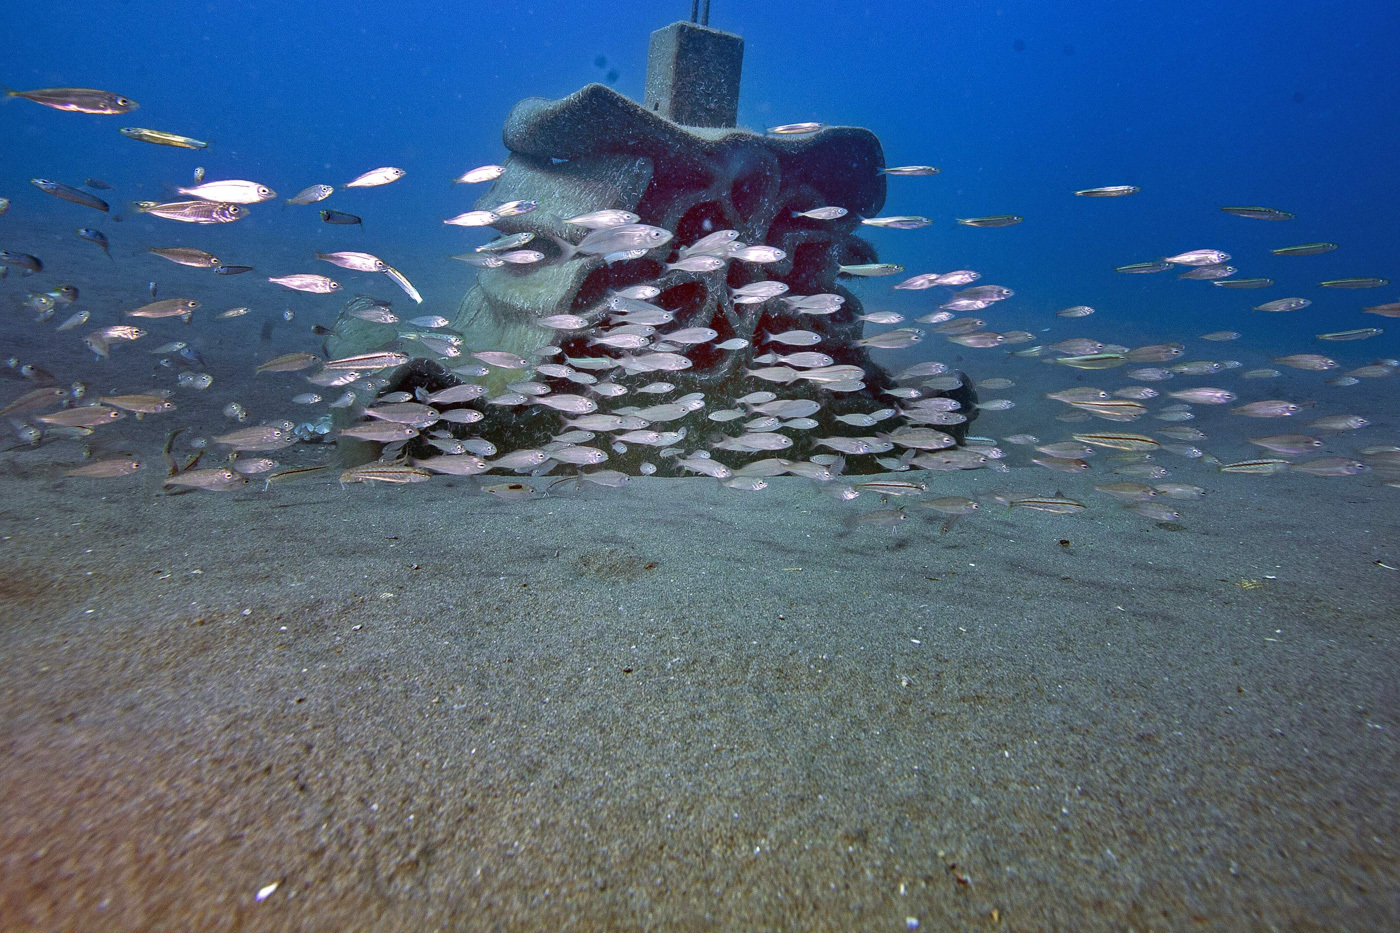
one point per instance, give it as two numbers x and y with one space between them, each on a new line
477 175
1198 257
78 100
357 262
506 243
68 193
599 220
194 212
303 282
902 222
911 171
618 239
376 177
312 194
1108 191
212 479
233 191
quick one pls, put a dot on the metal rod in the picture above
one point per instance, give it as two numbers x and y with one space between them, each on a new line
695 11
705 13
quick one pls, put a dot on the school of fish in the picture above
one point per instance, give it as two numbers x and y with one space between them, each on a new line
1120 430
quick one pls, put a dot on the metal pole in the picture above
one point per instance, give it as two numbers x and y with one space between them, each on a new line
695 11
705 14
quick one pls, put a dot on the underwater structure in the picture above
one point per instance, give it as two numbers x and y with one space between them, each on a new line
679 162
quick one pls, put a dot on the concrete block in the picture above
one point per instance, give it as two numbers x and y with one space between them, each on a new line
693 75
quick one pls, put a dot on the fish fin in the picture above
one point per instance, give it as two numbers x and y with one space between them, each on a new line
838 466
567 250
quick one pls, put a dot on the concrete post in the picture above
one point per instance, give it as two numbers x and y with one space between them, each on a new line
693 75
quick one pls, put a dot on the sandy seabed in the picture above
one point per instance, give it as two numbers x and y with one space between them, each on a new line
674 707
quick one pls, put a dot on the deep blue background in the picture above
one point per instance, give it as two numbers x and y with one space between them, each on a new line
1286 104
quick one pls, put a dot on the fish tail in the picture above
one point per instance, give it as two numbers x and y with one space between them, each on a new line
567 250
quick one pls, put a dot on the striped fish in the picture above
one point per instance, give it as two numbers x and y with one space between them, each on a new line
368 361
291 474
1093 360
893 487
1058 505
385 473
1113 406
1263 467
1119 441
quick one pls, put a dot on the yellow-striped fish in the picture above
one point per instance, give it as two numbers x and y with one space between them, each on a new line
385 473
1059 505
1359 282
1118 440
1307 249
1093 360
1264 467
161 138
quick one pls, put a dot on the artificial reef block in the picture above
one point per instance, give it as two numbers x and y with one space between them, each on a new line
597 150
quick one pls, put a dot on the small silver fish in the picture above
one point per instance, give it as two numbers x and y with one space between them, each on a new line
995 220
505 243
233 191
302 282
78 100
873 269
68 193
1108 191
194 212
376 177
618 239
356 262
599 220
312 194
1198 257
1258 213
473 219
911 171
478 175
902 222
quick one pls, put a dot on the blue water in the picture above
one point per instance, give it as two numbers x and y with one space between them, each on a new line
1284 104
